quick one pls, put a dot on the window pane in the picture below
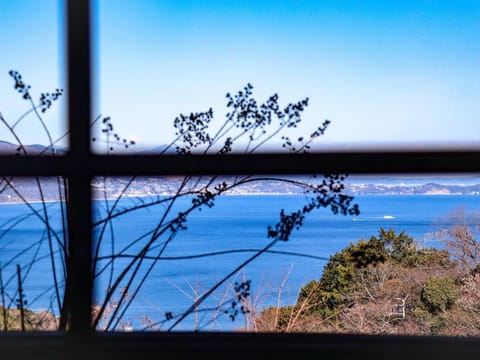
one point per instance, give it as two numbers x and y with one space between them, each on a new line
32 78
190 253
395 73
33 253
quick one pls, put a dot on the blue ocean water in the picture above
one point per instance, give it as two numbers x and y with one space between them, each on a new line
181 275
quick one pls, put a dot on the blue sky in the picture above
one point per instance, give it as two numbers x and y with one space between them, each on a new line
31 40
382 71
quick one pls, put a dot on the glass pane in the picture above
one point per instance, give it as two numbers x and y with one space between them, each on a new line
386 74
32 119
33 253
216 254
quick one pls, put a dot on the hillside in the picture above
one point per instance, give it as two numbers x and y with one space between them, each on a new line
388 285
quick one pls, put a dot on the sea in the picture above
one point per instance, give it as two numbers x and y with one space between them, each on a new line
218 247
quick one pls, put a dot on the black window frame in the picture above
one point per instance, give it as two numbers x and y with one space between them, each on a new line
79 165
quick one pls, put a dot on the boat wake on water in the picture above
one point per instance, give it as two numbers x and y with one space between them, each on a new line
385 217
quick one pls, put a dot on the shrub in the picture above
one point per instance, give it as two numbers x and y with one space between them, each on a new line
275 319
437 324
439 294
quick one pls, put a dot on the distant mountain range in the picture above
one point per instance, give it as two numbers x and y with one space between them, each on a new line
7 148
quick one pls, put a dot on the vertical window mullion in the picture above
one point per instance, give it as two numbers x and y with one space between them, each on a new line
79 275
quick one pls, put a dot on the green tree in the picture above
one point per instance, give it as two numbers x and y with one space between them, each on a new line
439 294
339 277
342 274
399 248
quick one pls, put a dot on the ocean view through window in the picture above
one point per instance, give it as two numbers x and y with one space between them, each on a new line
81 169
227 240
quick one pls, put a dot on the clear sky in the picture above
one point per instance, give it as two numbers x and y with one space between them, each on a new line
31 42
404 71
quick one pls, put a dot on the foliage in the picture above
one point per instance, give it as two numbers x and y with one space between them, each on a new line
399 248
432 257
428 294
278 317
439 294
437 324
32 321
344 270
389 285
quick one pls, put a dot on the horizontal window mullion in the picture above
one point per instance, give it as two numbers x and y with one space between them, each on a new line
354 162
243 345
34 166
368 162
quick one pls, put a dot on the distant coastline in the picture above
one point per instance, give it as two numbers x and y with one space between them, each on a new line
150 196
167 186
